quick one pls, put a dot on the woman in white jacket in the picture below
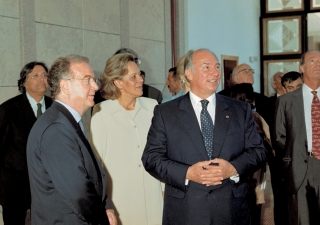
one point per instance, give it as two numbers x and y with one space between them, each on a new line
119 128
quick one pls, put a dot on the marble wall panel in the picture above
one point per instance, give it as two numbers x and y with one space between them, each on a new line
10 62
147 19
55 41
102 15
99 47
152 56
9 8
8 92
59 12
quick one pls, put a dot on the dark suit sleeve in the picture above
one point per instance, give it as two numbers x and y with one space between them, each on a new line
64 162
155 157
3 130
253 153
279 128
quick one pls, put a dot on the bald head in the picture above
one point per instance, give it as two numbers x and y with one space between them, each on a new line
276 83
243 73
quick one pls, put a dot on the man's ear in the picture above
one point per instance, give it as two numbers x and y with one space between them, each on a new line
301 68
235 79
189 74
64 86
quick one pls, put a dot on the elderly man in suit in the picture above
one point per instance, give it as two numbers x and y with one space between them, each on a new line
68 184
296 142
17 116
199 145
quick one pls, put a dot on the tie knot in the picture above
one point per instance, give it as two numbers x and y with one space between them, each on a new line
39 105
204 103
314 92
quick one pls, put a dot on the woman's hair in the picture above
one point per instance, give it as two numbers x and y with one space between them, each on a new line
243 92
116 68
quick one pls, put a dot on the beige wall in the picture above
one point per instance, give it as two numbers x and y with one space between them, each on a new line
44 30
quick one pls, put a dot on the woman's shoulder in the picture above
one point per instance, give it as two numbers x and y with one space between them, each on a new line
104 106
148 102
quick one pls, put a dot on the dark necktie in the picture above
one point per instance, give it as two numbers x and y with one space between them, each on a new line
39 112
315 119
206 127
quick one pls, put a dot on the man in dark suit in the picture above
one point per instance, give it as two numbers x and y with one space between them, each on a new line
296 142
17 116
243 73
149 91
200 152
68 184
273 162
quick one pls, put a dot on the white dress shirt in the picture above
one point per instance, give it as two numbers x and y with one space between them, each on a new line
34 105
196 104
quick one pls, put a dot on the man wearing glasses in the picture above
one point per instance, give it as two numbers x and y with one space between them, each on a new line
68 184
243 73
17 116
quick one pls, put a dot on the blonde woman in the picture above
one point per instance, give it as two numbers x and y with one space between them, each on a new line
119 128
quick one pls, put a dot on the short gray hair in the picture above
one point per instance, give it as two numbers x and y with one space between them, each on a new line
60 70
188 64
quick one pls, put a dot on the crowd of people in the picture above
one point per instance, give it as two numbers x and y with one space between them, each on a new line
198 157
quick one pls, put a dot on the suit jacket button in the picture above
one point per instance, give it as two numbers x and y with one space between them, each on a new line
305 161
210 192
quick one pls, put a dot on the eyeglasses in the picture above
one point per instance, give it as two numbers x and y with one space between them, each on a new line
246 71
87 79
38 76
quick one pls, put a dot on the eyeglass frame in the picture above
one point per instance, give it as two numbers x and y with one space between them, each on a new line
246 71
38 76
88 79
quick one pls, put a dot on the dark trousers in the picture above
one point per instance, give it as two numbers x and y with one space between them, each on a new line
279 192
304 206
17 198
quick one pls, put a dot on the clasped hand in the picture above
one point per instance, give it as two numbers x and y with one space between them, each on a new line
210 175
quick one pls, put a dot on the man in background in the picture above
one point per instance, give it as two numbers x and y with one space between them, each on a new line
274 163
292 81
296 142
243 73
68 184
174 85
149 91
17 116
173 81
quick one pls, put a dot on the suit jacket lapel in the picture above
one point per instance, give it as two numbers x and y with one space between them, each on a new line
27 110
222 120
48 102
299 112
189 120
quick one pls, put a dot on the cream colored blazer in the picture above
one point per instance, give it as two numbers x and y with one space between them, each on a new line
119 136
